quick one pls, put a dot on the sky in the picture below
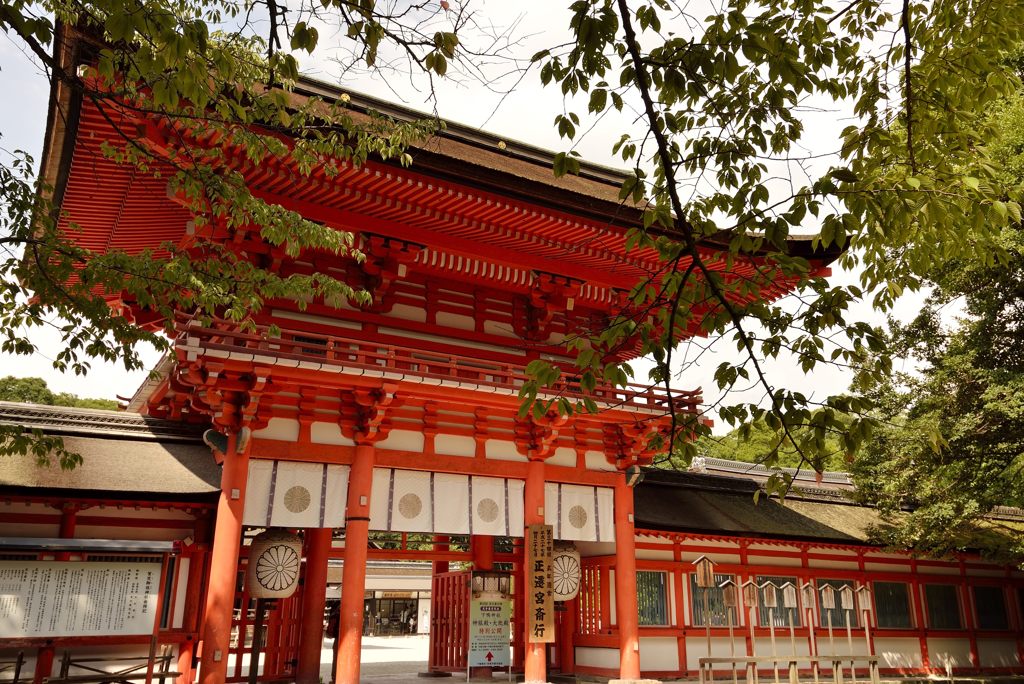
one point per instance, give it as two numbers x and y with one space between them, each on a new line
524 112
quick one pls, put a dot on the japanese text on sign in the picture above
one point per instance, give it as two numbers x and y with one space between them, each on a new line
56 598
540 600
489 632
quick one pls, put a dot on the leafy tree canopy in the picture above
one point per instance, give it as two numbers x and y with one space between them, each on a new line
35 391
760 444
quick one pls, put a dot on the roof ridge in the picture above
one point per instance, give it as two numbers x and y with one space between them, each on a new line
74 420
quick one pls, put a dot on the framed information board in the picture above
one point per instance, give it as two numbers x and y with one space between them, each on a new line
78 598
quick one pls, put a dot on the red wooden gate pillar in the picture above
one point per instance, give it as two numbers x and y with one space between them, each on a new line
314 597
193 598
353 578
441 543
625 584
481 547
535 661
227 539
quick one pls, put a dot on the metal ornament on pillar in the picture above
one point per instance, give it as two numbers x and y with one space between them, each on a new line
274 560
565 564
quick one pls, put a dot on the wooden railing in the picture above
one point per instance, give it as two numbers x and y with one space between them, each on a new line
790 665
348 355
110 670
10 668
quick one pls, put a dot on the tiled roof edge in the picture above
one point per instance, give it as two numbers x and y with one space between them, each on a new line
79 421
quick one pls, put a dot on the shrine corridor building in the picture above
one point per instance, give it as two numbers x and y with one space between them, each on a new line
391 432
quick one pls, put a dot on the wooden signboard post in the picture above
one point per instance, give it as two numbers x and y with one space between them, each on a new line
540 600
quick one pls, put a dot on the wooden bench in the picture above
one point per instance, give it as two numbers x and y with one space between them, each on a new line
10 670
133 670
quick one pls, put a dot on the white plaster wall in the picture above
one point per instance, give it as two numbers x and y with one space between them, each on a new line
994 572
825 649
714 542
397 582
654 554
320 320
501 328
938 570
563 456
774 560
590 656
328 433
659 654
998 653
452 320
281 429
697 648
898 652
595 460
455 445
503 450
836 564
886 567
955 652
690 556
403 440
408 313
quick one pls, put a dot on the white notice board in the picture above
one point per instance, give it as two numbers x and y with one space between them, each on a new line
77 598
489 634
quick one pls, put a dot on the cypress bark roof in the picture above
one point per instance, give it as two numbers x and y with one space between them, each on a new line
122 453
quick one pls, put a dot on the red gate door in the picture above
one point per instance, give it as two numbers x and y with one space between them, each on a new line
280 635
449 621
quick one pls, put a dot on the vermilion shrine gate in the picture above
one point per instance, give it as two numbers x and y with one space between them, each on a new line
401 416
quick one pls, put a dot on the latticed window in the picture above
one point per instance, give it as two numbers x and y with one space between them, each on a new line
990 607
892 605
780 616
715 602
837 613
943 606
652 597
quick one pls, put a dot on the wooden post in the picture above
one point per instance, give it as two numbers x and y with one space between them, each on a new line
158 618
535 658
481 550
257 641
193 597
314 598
626 609
227 540
353 579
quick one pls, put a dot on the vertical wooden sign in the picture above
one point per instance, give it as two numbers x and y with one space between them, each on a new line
540 600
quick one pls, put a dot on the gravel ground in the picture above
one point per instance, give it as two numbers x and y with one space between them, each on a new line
395 660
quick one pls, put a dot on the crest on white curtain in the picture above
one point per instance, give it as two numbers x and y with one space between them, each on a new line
579 512
294 494
445 503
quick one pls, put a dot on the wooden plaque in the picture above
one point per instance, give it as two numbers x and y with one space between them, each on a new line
540 599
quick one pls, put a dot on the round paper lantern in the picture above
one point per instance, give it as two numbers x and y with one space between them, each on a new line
274 560
565 566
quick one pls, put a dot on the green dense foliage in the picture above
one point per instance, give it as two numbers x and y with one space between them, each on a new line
949 448
35 391
763 445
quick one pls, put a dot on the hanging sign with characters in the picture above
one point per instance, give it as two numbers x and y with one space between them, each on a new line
540 598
